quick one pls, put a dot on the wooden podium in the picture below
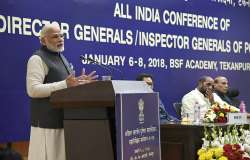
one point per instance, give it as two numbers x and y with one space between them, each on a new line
88 120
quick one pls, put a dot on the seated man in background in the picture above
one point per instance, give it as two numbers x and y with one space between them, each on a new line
222 94
202 95
233 93
164 115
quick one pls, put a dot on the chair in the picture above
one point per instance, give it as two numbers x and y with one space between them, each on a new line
177 108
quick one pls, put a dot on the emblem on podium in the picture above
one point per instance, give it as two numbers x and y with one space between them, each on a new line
141 109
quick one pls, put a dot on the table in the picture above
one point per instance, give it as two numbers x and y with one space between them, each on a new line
182 141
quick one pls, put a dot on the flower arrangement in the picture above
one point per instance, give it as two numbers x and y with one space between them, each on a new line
211 153
232 144
218 113
234 152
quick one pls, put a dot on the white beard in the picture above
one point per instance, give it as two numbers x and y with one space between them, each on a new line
55 48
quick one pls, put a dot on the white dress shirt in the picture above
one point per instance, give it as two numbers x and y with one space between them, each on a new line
190 99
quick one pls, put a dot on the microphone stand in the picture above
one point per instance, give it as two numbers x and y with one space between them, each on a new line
106 67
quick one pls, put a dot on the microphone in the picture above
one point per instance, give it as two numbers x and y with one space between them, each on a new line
233 93
110 69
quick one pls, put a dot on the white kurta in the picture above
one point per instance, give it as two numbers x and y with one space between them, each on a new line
45 144
188 103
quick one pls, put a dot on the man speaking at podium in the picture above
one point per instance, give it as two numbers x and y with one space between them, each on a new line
48 71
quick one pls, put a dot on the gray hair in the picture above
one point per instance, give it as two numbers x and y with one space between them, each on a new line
46 28
217 79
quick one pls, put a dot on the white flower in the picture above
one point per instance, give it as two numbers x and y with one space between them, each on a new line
247 139
215 143
205 143
209 116
247 148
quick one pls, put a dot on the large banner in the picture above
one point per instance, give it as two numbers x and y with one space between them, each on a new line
176 41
